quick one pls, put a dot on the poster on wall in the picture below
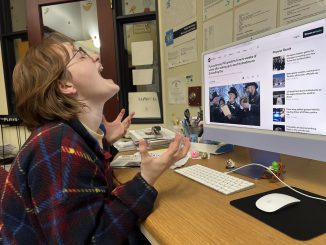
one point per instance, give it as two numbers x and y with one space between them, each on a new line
180 27
177 12
181 44
144 104
215 7
291 11
217 31
254 18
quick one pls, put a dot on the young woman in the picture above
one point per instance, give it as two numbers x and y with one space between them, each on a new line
60 188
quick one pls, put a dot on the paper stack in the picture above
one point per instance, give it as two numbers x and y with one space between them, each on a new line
125 145
161 140
131 161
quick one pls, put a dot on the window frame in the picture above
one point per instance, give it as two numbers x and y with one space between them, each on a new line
7 37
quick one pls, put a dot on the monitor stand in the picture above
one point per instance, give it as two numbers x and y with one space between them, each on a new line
262 157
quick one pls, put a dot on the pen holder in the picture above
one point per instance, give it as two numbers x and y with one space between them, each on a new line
194 132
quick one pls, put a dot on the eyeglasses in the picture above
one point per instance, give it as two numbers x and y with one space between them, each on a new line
83 54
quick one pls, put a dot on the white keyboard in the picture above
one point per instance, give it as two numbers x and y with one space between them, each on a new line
214 179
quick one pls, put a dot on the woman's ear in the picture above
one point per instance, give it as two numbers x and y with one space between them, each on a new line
67 87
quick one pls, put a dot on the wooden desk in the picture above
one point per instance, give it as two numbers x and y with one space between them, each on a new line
189 213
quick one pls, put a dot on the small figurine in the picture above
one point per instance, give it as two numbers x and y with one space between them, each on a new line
198 154
203 155
194 154
275 167
230 164
278 169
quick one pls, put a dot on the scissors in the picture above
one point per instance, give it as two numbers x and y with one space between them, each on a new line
187 116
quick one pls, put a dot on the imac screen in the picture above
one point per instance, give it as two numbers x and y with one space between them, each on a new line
272 83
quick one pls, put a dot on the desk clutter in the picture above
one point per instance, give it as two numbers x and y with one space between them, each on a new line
156 137
127 161
275 172
191 125
278 168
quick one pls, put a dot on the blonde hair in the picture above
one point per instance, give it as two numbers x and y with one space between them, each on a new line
36 78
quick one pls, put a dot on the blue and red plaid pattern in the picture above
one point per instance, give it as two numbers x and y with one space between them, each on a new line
60 190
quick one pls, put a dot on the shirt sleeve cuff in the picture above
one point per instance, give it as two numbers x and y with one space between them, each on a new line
138 195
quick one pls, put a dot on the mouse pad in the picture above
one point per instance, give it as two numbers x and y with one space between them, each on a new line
301 221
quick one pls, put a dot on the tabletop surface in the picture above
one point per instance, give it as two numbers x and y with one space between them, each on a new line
187 212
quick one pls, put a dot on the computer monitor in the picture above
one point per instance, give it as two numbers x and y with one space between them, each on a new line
274 90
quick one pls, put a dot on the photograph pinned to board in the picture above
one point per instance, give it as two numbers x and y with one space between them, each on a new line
142 53
142 76
144 104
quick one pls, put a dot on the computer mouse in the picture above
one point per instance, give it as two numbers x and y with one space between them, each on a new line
275 201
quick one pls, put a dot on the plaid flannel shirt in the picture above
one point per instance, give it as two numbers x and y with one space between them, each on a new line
60 191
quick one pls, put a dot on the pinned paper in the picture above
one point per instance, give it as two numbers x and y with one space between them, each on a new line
142 76
177 90
142 53
144 104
